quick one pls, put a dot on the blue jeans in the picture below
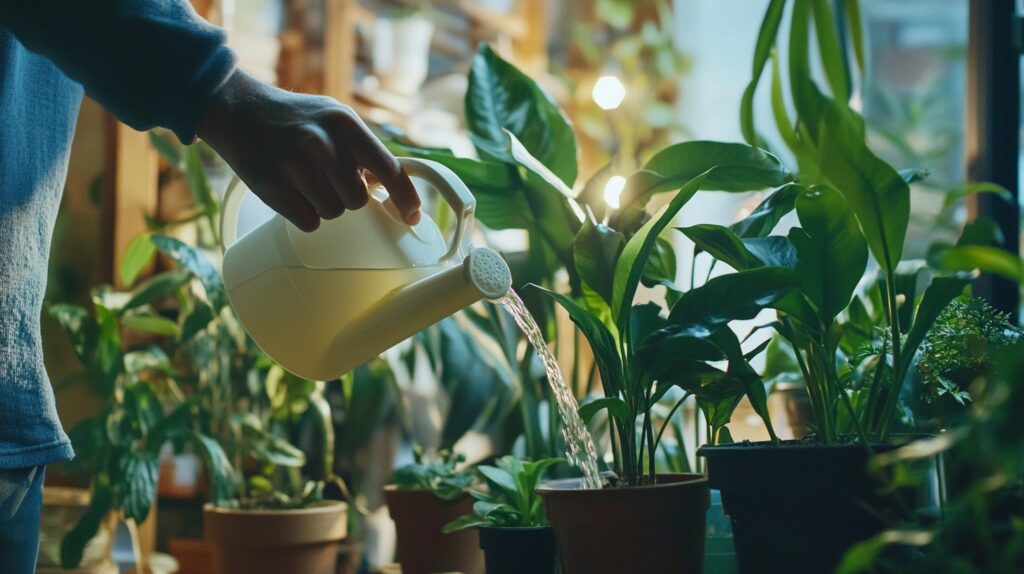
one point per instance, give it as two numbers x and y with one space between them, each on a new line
21 502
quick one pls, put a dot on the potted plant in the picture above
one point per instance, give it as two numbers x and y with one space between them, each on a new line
523 181
509 517
797 506
425 496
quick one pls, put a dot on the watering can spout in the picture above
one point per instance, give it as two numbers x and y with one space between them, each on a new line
409 309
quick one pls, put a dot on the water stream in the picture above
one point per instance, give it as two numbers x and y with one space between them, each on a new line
579 444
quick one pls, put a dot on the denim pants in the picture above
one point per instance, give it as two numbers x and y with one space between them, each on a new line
21 502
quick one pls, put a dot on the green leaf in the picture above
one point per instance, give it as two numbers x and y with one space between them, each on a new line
774 250
631 263
830 50
984 258
167 147
722 244
661 264
109 361
852 8
616 407
595 251
501 479
878 195
832 254
154 324
500 97
737 167
80 328
726 298
138 254
602 342
465 522
768 213
199 264
196 321
936 297
973 188
155 288
221 473
762 50
101 501
196 180
140 471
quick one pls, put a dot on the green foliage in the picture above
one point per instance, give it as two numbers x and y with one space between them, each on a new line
439 477
961 347
511 500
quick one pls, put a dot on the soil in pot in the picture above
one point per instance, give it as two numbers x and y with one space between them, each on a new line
641 530
519 550
422 548
274 541
798 506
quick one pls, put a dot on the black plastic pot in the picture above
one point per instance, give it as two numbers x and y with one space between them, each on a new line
519 550
797 507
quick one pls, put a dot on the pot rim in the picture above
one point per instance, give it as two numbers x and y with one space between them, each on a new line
320 507
690 479
897 441
515 528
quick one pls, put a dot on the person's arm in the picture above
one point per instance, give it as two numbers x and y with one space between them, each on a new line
157 63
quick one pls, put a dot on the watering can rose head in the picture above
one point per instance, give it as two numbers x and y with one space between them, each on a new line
325 302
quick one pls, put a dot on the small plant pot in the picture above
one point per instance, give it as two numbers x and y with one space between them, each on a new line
62 509
643 530
273 541
518 550
422 548
797 507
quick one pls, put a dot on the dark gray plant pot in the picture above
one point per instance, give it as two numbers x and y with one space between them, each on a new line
797 507
519 550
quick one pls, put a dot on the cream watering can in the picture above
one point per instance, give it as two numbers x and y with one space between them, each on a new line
323 303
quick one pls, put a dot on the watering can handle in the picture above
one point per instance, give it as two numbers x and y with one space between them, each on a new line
451 188
454 192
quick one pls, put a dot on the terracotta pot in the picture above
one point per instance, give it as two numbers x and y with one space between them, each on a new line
641 530
797 507
422 548
194 556
518 550
274 541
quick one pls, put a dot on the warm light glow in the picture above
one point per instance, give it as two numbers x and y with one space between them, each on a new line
613 189
608 92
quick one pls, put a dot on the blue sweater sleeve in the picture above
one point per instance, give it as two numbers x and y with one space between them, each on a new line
148 62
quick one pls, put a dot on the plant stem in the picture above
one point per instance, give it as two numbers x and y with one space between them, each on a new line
889 412
668 419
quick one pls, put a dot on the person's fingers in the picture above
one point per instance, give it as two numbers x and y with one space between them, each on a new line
347 181
290 203
371 154
313 184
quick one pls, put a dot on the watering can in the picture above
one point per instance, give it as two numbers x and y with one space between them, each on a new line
322 303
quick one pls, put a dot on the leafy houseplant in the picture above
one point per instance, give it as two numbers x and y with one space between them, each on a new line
427 495
850 204
509 517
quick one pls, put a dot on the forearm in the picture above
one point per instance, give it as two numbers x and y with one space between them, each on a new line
150 63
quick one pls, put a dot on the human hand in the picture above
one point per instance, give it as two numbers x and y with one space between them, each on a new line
305 156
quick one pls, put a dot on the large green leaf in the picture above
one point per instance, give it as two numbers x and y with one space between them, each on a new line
722 244
830 50
984 258
879 196
218 468
199 264
633 259
154 324
155 288
108 359
726 298
616 407
737 167
740 370
832 254
661 265
762 50
139 469
595 251
499 98
768 213
138 254
602 342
